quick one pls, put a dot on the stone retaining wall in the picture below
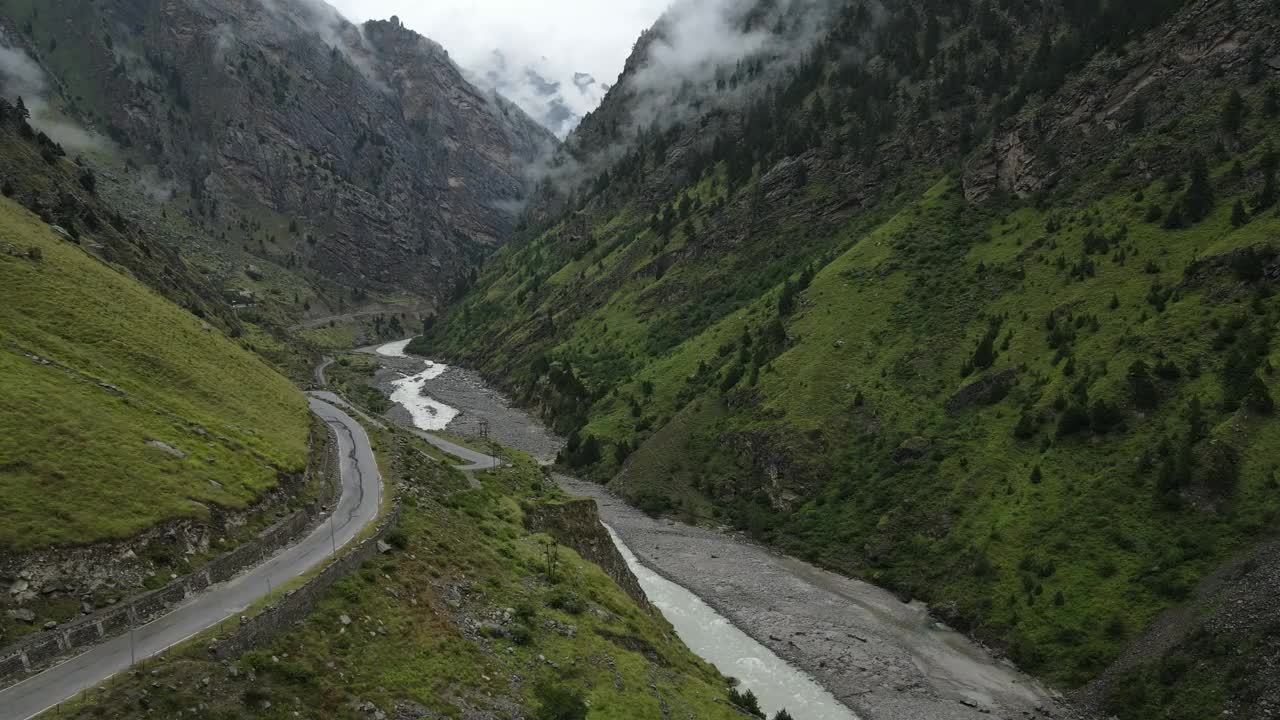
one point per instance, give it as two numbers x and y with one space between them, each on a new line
37 651
297 604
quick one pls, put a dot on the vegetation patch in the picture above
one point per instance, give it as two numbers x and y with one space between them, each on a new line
121 409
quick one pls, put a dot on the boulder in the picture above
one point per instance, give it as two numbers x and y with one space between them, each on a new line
166 447
22 615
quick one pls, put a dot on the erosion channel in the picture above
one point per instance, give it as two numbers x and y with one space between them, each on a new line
823 646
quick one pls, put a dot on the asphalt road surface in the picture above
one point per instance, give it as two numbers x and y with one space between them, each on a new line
358 506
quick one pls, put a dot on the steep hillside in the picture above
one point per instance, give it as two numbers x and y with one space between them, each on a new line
975 300
359 154
463 618
122 410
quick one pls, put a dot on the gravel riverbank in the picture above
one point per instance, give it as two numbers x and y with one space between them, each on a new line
885 659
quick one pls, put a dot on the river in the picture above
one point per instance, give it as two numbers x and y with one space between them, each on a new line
825 647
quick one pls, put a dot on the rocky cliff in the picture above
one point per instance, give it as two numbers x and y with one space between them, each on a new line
576 523
278 127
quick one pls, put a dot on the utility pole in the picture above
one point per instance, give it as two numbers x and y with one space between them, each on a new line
333 539
133 650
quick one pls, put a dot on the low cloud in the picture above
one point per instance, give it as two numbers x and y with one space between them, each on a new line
334 30
155 188
688 61
21 76
699 42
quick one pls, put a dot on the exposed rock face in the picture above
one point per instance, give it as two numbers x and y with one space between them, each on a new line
576 523
389 169
1168 74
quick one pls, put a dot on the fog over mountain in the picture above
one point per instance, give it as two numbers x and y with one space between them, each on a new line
554 59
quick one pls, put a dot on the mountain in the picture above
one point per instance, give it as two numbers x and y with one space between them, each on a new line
973 300
558 104
358 154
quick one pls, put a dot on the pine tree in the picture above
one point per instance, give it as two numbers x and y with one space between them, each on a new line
1257 70
20 109
1198 200
1239 216
932 36
1138 120
1271 101
1195 420
1233 112
1268 194
1141 387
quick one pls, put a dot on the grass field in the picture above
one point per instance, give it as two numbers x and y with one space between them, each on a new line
80 459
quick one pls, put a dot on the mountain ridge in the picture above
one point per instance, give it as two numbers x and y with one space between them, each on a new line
370 160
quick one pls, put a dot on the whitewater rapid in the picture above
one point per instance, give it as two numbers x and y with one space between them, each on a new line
427 412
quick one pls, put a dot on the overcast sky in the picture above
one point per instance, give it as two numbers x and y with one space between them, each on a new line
559 37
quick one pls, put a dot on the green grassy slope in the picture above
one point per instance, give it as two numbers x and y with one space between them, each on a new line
1049 416
78 466
427 625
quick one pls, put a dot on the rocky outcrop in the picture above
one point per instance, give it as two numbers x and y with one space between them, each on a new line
1258 263
984 391
1169 73
576 523
1009 166
358 151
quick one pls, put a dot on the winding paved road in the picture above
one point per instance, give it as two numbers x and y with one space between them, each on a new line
358 506
474 460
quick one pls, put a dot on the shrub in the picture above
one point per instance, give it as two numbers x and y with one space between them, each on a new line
522 635
557 703
568 601
1117 627
746 701
398 539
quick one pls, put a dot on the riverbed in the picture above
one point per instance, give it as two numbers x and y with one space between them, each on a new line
824 646
777 684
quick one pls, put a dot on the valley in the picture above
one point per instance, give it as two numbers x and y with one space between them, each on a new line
874 654
878 359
